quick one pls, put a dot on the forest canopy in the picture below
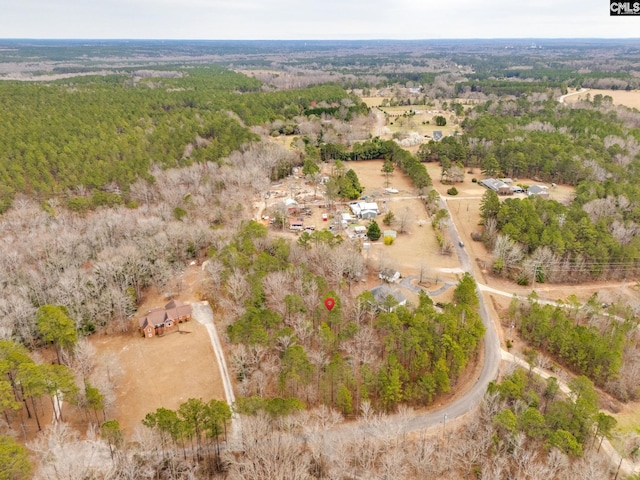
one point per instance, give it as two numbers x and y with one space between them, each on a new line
104 132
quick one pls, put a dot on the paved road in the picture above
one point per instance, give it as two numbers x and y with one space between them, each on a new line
470 400
492 354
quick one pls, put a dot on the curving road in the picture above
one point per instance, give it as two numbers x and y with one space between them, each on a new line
492 353
562 98
470 400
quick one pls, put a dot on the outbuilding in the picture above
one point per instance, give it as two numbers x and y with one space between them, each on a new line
497 186
360 230
389 275
538 191
364 209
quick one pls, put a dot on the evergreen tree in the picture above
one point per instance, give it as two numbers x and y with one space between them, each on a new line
387 169
55 326
110 431
490 166
489 206
373 231
310 168
14 460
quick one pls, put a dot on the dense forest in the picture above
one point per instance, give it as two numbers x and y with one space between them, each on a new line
535 408
589 340
76 137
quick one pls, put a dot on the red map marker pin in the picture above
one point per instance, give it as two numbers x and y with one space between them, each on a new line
329 303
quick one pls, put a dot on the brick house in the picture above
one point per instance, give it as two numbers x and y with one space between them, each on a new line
162 320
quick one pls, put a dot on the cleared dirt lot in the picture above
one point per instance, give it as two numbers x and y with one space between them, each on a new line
405 119
161 371
465 207
415 250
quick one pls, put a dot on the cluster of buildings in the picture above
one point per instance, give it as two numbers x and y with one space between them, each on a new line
505 186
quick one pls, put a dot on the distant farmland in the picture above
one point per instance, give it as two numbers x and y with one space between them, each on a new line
629 99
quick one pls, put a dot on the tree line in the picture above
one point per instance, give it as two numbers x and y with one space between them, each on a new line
376 148
538 240
196 422
538 410
589 341
24 384
592 147
540 139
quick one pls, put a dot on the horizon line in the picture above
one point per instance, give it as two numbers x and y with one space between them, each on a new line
345 39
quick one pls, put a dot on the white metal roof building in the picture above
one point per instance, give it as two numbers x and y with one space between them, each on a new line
364 209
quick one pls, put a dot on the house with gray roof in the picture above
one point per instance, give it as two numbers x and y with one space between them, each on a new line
538 191
497 186
388 298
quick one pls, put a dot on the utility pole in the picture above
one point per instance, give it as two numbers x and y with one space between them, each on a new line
444 426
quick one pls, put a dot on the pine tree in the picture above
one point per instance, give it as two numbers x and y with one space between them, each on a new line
373 231
387 169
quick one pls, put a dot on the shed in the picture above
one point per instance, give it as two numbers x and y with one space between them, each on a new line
538 191
347 218
389 275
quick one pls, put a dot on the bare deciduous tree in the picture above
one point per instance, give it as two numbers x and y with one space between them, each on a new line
268 454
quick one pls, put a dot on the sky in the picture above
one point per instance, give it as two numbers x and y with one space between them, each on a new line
310 20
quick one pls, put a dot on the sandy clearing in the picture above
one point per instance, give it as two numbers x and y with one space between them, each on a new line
629 98
161 371
415 250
